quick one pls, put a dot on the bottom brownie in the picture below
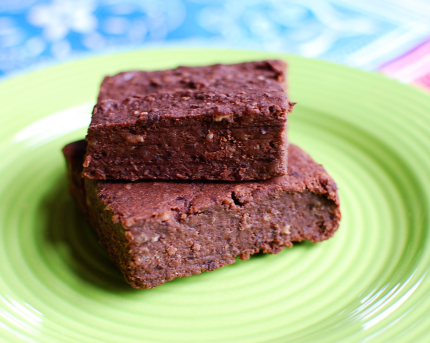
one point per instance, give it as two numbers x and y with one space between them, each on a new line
158 231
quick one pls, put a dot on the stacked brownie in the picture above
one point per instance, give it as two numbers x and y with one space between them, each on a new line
183 170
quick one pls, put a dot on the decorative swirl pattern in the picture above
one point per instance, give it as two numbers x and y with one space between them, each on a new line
368 282
364 34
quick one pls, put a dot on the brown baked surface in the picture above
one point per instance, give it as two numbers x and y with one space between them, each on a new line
220 122
157 231
269 75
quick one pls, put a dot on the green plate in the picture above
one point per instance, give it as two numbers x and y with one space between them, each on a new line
368 283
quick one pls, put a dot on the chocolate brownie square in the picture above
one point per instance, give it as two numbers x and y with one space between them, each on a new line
156 231
219 122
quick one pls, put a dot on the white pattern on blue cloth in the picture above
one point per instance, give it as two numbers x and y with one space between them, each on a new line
363 33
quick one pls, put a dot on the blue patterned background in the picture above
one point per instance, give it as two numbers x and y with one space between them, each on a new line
365 34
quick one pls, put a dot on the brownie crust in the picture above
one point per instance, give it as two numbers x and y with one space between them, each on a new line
172 125
157 231
269 74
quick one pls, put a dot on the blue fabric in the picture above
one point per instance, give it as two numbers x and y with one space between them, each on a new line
364 33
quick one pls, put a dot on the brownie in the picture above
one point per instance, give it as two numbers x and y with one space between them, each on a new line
219 122
156 231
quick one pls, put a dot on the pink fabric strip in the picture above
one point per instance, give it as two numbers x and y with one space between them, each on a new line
408 58
413 67
424 81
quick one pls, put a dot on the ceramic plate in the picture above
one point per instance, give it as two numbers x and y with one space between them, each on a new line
369 282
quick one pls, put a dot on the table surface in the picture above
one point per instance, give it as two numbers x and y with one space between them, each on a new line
389 36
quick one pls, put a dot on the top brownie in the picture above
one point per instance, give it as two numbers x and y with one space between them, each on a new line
219 122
